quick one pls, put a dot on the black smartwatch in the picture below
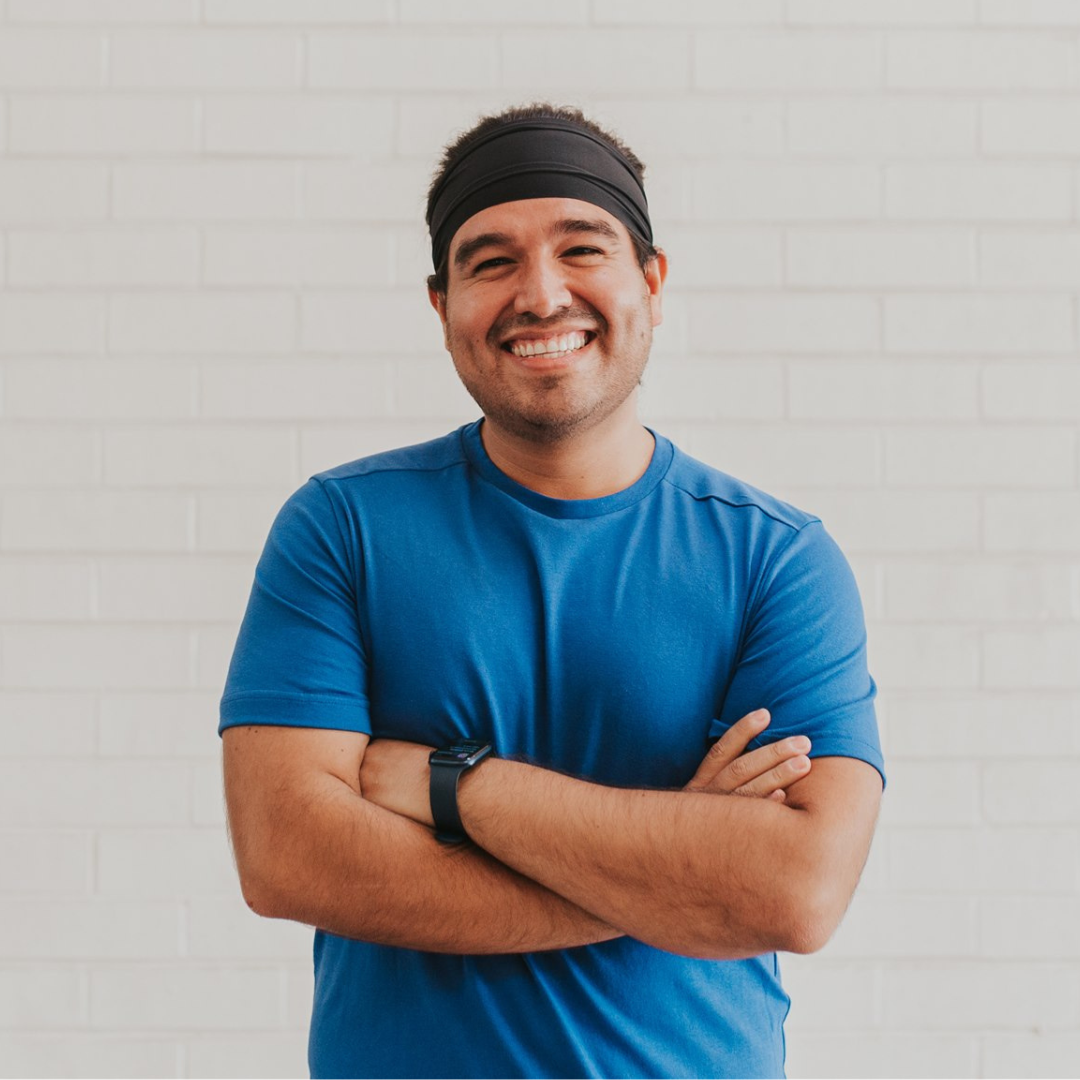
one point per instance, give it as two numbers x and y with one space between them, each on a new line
447 765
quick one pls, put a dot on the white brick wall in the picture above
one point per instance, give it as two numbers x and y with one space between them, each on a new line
211 264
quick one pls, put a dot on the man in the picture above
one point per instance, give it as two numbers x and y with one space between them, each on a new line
560 583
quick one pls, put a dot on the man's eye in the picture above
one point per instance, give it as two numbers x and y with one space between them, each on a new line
487 264
584 251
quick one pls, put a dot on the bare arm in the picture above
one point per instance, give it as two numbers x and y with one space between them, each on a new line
309 847
688 871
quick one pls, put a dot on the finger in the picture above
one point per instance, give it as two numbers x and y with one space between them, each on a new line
777 796
777 779
729 746
758 762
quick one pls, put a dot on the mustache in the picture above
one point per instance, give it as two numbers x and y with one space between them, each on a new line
527 321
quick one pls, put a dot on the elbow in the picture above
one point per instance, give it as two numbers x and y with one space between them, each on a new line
260 896
811 918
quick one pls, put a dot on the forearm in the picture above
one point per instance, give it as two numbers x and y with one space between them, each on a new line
354 869
694 873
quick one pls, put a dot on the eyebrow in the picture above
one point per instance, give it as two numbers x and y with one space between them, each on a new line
563 227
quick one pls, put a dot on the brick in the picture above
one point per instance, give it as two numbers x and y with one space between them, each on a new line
937 793
298 126
300 390
788 192
1031 127
32 999
47 862
617 59
47 724
237 521
204 60
975 996
1038 1053
175 999
880 12
864 391
33 455
199 456
48 59
207 791
102 125
788 323
298 11
83 390
979 61
299 994
164 863
908 928
1028 13
896 521
769 456
708 390
870 259
172 725
981 860
57 1054
950 726
225 928
95 12
198 588
1033 792
979 324
431 389
76 258
94 521
983 458
710 257
1029 928
270 1055
981 592
883 127
1030 522
325 446
57 590
369 324
401 61
1038 659
52 322
202 323
689 128
862 1054
978 192
1033 260
88 793
204 191
486 12
94 657
214 648
427 120
50 192
381 192
924 657
779 61
829 996
83 930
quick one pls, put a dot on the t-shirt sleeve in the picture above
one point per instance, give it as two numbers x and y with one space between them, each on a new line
300 658
804 654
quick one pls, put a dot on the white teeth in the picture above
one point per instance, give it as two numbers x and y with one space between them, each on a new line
565 344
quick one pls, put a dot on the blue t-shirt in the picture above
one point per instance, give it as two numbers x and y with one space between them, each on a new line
422 594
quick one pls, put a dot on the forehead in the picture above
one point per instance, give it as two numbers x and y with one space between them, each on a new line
527 220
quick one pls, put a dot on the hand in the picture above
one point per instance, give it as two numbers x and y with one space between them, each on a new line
763 773
396 776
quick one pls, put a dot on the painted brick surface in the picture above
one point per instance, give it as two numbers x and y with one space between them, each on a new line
212 260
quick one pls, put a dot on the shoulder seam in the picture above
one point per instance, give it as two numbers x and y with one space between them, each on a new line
323 478
811 519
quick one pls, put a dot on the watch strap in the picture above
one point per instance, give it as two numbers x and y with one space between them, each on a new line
444 808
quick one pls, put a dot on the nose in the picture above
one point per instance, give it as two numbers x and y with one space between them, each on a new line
542 288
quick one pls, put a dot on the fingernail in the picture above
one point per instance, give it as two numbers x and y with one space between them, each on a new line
761 716
799 743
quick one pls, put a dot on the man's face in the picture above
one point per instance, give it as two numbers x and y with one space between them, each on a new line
548 316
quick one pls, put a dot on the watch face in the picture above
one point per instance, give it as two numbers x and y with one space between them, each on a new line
466 752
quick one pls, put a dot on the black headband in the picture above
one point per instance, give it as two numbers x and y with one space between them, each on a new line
536 159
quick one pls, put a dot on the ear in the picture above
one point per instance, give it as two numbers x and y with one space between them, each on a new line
655 275
438 302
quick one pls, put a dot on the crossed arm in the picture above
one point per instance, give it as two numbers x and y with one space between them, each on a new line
331 830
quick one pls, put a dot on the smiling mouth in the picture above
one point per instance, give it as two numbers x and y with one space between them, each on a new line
550 348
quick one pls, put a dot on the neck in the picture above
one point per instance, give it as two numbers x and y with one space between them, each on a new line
589 465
